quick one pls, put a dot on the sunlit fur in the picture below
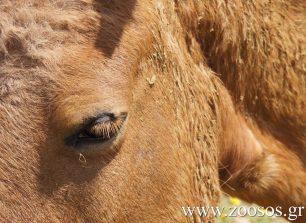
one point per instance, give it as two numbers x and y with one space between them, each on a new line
226 111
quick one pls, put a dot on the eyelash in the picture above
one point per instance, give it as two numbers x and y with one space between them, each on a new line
98 130
104 130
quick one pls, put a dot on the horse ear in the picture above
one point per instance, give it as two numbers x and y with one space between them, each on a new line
239 147
254 166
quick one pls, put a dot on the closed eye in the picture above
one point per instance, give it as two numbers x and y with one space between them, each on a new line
100 129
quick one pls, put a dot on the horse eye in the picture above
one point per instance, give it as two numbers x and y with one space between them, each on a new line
99 129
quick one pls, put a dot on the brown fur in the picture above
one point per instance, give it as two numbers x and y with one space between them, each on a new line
64 61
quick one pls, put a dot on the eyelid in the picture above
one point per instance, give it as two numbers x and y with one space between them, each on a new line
89 121
77 142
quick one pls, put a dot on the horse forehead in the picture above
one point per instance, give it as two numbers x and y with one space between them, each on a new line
14 81
9 84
